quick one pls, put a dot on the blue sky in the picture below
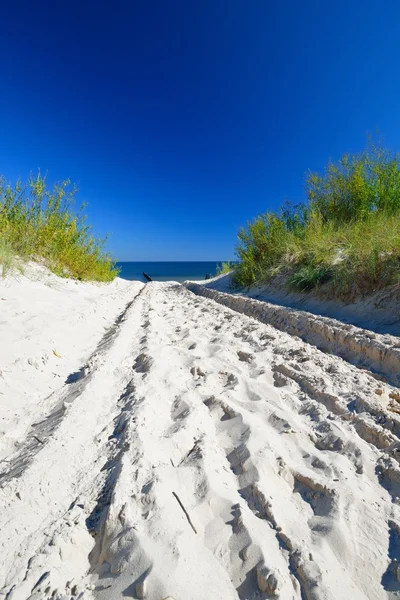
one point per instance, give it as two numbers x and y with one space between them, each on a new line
180 120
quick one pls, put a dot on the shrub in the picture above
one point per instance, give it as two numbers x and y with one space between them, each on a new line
371 255
356 185
347 232
39 223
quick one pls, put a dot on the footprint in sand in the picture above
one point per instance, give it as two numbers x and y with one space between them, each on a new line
197 372
245 356
142 363
391 577
230 379
319 497
180 410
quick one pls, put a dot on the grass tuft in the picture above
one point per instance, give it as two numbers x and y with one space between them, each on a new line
225 267
41 224
8 260
309 277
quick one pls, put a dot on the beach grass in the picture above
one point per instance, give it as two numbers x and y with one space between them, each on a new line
225 267
345 238
8 260
42 224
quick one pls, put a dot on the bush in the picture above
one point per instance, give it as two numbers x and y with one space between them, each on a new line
39 223
356 186
347 232
371 255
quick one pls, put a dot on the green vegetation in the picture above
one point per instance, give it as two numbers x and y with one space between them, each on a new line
345 239
40 224
225 267
309 276
8 260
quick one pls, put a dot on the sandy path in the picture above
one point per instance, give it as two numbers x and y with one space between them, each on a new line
282 456
48 327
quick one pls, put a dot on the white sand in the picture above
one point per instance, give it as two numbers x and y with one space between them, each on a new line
48 328
379 312
283 457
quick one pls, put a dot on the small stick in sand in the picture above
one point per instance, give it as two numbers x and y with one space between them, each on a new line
185 511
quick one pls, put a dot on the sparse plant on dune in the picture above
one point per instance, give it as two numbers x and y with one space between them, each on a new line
225 267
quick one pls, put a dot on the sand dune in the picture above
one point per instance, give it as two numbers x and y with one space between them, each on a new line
198 453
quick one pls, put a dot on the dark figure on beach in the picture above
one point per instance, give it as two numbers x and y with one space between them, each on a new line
147 277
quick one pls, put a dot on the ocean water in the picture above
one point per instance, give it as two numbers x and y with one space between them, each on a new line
168 271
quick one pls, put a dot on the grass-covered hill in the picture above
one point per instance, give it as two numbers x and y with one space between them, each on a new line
344 240
41 224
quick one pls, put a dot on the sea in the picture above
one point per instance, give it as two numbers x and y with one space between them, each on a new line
168 271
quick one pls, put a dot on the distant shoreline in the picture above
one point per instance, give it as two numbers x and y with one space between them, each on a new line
168 270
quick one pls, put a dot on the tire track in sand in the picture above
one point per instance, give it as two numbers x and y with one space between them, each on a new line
269 463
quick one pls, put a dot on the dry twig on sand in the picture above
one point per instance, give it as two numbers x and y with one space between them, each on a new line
185 511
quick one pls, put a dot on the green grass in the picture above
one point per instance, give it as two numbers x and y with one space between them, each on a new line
225 267
345 239
8 260
309 276
43 224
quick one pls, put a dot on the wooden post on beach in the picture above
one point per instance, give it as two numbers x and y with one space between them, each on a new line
147 277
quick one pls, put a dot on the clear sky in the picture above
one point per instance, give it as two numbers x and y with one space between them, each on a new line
182 119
